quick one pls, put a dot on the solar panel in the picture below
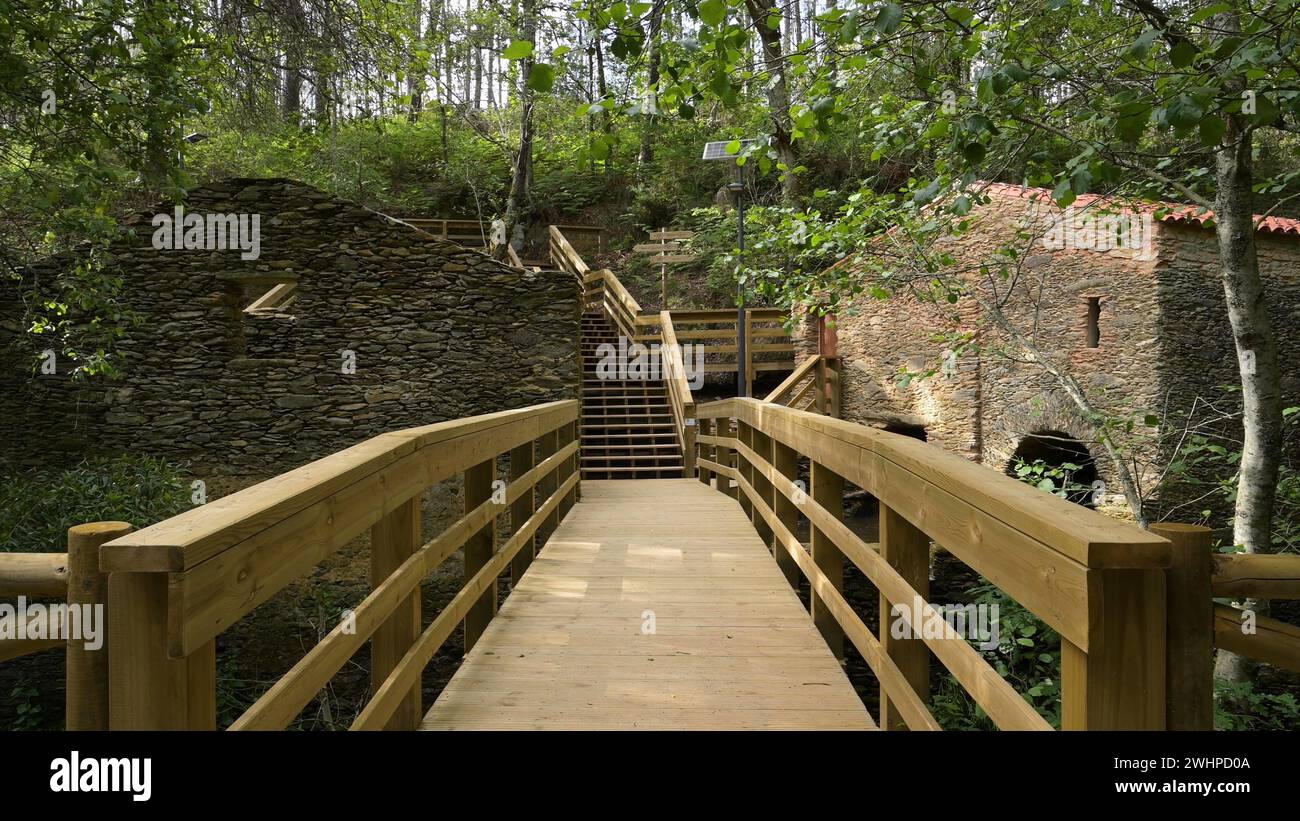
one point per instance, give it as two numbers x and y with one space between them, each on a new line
718 150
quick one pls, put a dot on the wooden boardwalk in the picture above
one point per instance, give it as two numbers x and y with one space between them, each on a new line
654 605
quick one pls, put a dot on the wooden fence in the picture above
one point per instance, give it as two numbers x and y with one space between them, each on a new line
177 585
1098 582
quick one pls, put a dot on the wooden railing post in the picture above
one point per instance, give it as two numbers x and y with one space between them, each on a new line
392 541
146 689
827 491
689 433
521 461
706 451
761 444
748 364
1189 636
907 550
1118 682
479 549
568 433
86 694
547 445
786 461
745 436
727 456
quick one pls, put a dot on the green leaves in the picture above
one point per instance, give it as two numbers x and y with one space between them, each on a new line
712 12
1183 54
518 50
891 14
541 77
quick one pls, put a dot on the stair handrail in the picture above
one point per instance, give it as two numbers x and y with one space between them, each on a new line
679 392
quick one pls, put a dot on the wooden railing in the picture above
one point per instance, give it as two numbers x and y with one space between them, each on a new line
679 393
1198 625
767 346
76 578
812 386
471 233
1098 582
179 584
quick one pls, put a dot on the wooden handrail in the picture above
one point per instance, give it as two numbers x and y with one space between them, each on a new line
194 575
1098 582
679 393
1271 641
805 370
33 574
1258 576
74 576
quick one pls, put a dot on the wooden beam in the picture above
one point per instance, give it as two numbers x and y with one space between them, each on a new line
907 550
522 460
1256 575
827 492
1189 638
1273 642
1118 683
785 460
479 549
86 695
33 574
146 689
393 540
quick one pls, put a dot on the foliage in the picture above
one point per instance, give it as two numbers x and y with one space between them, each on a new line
38 506
93 95
1242 707
1205 467
1028 657
28 714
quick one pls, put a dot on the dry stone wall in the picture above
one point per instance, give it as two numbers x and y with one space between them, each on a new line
388 328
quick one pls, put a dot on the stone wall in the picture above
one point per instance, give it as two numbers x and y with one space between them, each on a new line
1164 339
436 332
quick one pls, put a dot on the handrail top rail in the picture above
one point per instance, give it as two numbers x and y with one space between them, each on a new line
1086 536
187 539
715 315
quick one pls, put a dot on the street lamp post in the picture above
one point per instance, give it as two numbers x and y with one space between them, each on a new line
737 188
718 151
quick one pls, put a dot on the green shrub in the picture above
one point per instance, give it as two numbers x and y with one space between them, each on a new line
38 506
1240 707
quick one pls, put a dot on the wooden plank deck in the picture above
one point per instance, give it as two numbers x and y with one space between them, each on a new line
731 645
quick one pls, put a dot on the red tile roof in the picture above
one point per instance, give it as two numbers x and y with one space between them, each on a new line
1175 212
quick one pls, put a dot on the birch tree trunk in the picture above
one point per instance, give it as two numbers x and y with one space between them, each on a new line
1256 345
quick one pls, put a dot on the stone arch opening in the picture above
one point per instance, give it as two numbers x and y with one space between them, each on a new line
906 429
1066 461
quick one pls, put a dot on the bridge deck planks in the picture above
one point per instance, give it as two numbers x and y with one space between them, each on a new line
732 647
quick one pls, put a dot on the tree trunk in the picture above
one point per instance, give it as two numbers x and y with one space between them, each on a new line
778 97
646 155
519 202
1256 345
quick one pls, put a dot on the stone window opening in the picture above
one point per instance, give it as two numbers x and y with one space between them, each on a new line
1092 323
279 298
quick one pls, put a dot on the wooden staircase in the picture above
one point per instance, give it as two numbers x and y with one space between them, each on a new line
627 429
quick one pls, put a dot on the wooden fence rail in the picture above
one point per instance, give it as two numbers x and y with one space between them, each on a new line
75 577
180 583
1098 582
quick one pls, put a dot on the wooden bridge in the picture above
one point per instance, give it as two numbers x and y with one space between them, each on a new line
657 602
